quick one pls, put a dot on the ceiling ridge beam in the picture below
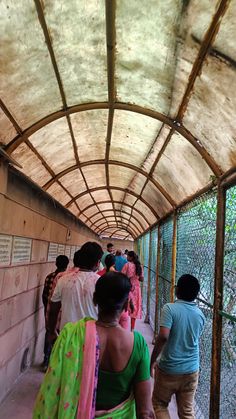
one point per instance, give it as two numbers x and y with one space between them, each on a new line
111 42
134 229
133 234
123 212
116 202
130 233
204 49
119 222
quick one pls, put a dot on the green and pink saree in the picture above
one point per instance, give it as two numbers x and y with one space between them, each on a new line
69 387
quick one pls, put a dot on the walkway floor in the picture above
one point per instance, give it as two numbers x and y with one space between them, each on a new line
19 403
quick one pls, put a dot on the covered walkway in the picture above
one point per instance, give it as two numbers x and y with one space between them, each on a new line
117 123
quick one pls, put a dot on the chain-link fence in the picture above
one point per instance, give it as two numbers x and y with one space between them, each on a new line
195 254
196 237
145 261
228 355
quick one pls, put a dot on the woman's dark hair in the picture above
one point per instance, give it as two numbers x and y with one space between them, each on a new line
109 261
111 291
62 262
88 255
188 287
135 259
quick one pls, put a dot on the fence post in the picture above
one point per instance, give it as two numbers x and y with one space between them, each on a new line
149 281
157 278
173 262
218 301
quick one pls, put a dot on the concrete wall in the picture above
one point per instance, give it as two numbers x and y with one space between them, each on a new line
28 212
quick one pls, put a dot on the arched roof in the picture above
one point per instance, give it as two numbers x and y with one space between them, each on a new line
120 110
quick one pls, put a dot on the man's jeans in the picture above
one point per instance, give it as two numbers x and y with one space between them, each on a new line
182 385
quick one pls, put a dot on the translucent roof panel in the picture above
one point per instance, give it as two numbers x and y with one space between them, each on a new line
180 163
105 206
130 199
95 175
102 195
156 148
145 210
90 133
73 181
31 165
58 193
7 130
117 195
120 176
217 126
73 208
80 52
225 40
145 69
84 201
156 199
132 136
55 138
28 85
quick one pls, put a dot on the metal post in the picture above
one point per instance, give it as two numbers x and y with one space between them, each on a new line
218 300
147 319
157 278
173 262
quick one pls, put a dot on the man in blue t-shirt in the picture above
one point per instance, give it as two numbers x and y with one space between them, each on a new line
181 326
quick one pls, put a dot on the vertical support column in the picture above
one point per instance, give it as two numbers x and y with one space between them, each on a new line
149 280
157 277
173 262
218 300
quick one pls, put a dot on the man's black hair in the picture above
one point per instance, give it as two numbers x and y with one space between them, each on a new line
109 261
109 245
188 287
62 262
111 291
88 256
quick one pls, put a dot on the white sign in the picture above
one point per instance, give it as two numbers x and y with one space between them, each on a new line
61 249
52 252
21 250
5 249
72 252
67 251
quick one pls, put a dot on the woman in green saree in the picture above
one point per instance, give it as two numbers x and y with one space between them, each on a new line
98 369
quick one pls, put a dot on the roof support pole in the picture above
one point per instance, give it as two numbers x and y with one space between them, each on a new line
173 262
217 307
147 319
157 279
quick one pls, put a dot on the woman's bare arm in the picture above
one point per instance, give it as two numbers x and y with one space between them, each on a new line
143 400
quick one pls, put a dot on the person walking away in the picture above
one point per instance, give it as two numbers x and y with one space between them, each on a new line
110 250
109 265
97 369
181 326
120 261
74 292
134 271
62 262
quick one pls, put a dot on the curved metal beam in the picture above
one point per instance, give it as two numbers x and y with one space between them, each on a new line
122 106
123 212
116 188
115 163
100 230
112 216
116 202
121 223
130 233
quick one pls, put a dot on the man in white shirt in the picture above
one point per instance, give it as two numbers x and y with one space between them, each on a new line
74 291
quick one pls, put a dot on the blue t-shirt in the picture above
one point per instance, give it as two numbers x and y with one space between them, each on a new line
120 261
181 352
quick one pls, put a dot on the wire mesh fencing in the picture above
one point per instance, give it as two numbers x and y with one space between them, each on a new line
228 354
196 237
146 239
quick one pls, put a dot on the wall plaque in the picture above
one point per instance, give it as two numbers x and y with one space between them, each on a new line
5 249
61 249
72 252
21 249
52 252
67 251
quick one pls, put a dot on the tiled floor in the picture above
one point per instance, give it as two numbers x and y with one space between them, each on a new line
19 403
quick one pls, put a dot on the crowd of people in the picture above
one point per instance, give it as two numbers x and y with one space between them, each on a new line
96 364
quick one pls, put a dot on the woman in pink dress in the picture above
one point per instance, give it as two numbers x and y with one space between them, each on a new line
134 271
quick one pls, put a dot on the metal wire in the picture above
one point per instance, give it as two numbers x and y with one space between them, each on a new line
196 236
146 239
228 355
153 263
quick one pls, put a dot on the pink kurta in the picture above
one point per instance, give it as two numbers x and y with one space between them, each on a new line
129 269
